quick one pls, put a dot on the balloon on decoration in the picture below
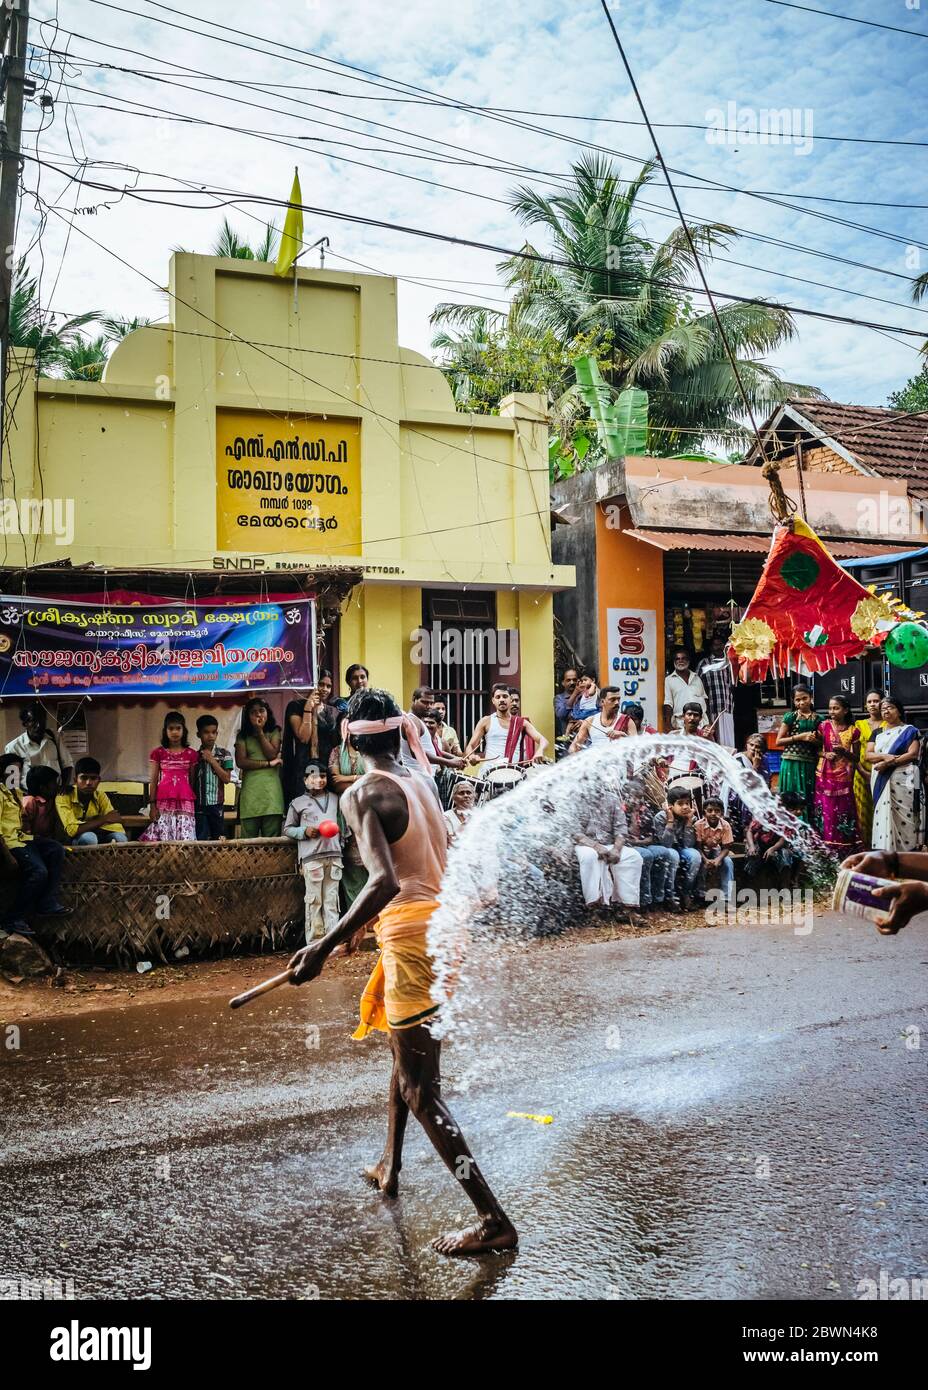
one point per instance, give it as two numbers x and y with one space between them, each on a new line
907 646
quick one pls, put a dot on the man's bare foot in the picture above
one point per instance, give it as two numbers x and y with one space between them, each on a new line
490 1234
379 1175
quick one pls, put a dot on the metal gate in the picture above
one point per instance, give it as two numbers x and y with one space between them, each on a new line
461 650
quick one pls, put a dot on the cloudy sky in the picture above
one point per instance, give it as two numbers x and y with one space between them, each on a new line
270 84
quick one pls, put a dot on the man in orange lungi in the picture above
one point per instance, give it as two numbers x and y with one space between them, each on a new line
397 817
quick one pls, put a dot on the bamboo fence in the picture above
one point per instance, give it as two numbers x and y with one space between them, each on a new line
148 901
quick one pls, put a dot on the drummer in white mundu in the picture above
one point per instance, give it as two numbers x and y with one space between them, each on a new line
684 771
502 736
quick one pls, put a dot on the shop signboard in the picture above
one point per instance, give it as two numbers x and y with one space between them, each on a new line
287 483
633 658
54 647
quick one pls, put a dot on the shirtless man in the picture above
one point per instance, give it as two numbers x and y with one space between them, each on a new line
493 732
397 819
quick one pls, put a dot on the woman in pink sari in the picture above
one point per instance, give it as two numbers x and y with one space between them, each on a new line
835 806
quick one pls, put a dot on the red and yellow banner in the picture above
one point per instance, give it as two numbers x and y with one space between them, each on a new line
807 614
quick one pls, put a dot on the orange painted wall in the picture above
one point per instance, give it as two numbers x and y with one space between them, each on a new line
629 573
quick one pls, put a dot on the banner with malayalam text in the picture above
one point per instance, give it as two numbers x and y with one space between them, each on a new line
51 647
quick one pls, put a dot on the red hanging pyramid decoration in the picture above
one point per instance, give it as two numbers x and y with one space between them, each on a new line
807 614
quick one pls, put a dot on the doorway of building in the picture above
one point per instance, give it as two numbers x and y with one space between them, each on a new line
461 653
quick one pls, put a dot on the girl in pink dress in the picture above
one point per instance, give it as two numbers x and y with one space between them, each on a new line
170 793
835 816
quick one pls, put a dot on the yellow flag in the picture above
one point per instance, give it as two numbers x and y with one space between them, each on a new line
291 238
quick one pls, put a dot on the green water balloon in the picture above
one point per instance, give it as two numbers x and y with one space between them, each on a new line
907 646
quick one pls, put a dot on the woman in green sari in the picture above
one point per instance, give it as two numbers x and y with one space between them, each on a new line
801 742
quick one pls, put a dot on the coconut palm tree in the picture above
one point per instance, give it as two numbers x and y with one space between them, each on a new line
466 351
31 327
229 244
84 359
606 282
115 329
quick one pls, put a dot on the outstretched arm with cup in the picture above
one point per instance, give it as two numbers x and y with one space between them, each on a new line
906 898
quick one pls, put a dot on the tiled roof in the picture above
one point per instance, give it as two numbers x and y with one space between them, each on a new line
890 443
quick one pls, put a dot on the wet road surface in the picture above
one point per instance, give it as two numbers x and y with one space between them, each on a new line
738 1112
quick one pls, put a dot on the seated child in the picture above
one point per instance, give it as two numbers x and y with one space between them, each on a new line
714 839
40 815
37 863
674 827
320 858
659 863
769 849
87 815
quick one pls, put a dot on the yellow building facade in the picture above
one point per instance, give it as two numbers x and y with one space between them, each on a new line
272 428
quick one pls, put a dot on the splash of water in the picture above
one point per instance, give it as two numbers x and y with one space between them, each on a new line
509 878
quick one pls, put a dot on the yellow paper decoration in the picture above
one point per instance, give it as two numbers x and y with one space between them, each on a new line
753 640
867 615
900 611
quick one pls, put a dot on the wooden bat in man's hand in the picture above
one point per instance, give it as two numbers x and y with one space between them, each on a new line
284 978
347 948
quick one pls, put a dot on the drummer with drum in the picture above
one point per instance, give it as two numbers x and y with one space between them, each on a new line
510 742
684 770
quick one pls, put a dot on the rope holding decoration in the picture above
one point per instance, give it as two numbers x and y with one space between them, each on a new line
781 506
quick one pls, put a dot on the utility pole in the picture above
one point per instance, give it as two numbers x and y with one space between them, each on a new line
14 29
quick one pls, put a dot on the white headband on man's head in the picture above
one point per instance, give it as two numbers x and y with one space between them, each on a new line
375 726
385 726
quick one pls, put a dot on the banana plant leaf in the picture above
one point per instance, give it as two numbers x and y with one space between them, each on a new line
622 424
560 465
631 417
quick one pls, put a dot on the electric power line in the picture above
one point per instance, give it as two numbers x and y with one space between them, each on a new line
427 281
232 198
394 99
152 113
231 336
447 102
850 19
